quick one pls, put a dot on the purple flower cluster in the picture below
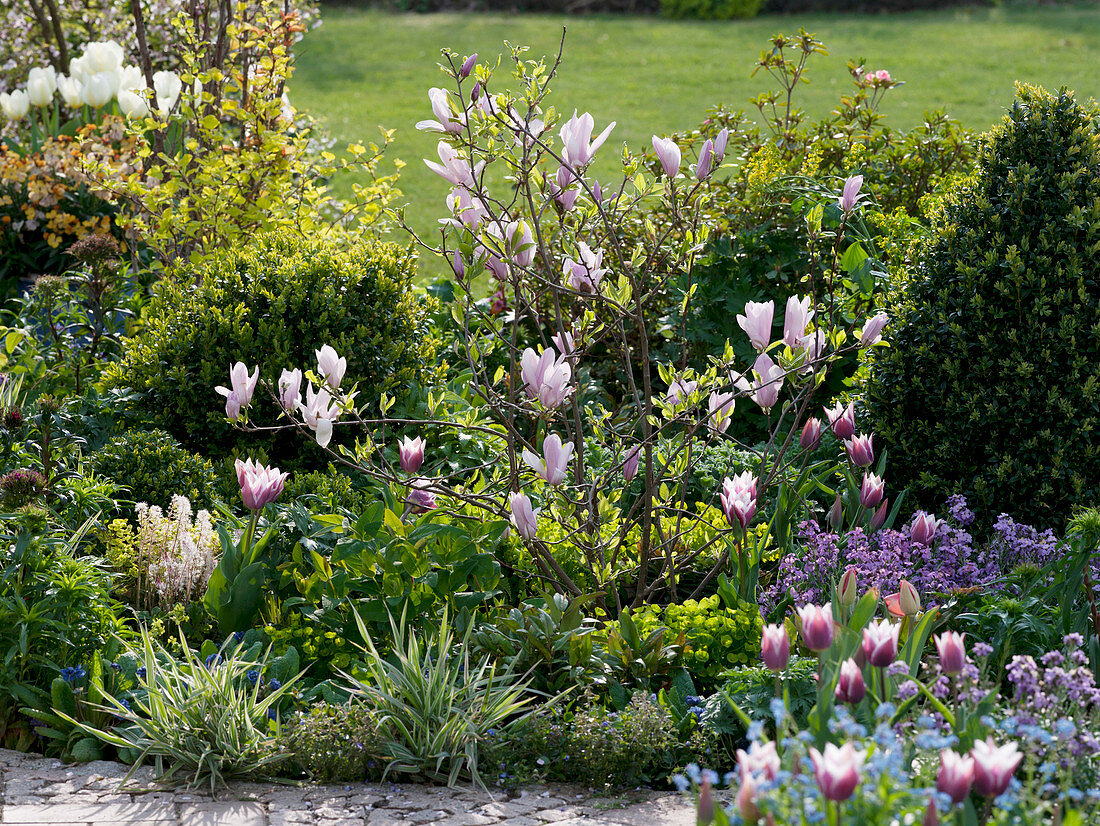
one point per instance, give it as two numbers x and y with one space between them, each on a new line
1015 543
1053 693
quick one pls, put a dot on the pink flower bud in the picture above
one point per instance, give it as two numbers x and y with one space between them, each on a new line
704 815
411 454
842 420
757 323
331 366
458 265
872 329
630 462
931 816
909 599
775 647
880 642
850 687
468 66
951 647
870 493
668 153
846 592
878 519
706 155
924 527
720 144
290 389
260 485
796 319
811 434
956 775
836 514
524 516
861 450
817 626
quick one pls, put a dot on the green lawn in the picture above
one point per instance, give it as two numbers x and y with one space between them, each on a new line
362 69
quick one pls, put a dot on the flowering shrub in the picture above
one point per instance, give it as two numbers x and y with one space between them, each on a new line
175 554
334 743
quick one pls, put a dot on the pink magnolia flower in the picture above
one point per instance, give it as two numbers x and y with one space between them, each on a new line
924 527
994 766
811 434
872 329
260 485
837 770
798 315
331 366
546 376
419 498
757 323
564 188
956 775
290 389
720 409
842 420
738 497
585 274
563 342
469 210
520 243
880 642
767 382
467 66
775 647
577 146
817 626
454 168
554 462
861 450
411 454
243 386
706 158
850 687
680 390
524 516
870 493
319 412
631 461
850 197
441 106
951 647
668 153
720 144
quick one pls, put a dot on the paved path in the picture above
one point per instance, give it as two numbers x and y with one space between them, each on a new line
38 790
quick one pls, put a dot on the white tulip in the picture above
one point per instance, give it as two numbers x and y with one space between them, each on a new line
132 104
167 86
41 84
16 104
71 90
100 88
103 56
78 69
131 79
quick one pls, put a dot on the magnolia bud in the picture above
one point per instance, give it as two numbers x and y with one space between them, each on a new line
468 66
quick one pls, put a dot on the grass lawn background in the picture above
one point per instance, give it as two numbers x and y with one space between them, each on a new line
362 69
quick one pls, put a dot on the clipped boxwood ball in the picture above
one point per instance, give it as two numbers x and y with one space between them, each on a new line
991 386
272 304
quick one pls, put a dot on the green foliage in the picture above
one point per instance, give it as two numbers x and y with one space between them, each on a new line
990 386
593 746
752 690
710 9
154 467
334 744
208 720
333 488
435 704
272 303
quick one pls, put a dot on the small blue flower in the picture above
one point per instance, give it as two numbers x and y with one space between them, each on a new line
274 685
71 675
680 782
141 672
213 660
271 715
253 676
238 636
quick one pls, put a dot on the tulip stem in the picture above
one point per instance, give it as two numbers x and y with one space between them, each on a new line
249 535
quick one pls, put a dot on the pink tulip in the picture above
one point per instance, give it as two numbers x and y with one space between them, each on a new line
553 467
331 366
454 168
631 461
775 647
872 329
668 153
576 133
798 315
850 687
524 516
704 814
837 770
924 527
546 376
243 386
720 409
847 590
290 389
956 775
908 598
880 642
842 420
746 800
761 760
738 497
811 434
706 158
850 198
260 485
441 106
861 450
951 647
994 766
757 323
870 493
411 454
585 275
817 626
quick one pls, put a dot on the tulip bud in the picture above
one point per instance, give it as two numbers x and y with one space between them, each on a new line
879 517
846 593
951 647
909 599
836 514
468 66
702 168
705 813
811 434
775 647
850 687
931 817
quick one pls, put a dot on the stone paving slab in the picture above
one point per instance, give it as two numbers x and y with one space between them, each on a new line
35 790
